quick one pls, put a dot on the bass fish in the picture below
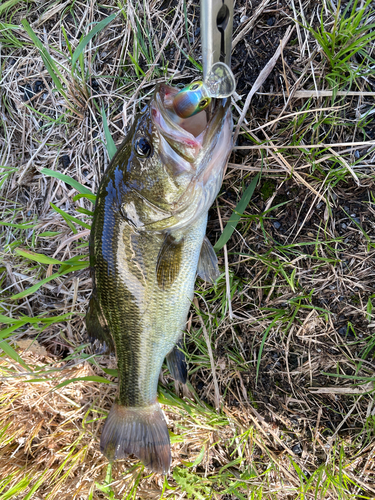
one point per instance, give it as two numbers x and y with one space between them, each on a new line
147 244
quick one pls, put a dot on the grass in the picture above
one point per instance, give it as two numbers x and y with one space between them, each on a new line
289 323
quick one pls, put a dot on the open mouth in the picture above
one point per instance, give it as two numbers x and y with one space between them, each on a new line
194 150
195 125
185 135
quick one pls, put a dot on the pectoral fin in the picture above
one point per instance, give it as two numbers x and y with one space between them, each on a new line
208 268
177 363
96 324
169 262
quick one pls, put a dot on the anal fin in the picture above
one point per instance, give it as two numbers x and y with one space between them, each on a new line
177 363
96 324
208 268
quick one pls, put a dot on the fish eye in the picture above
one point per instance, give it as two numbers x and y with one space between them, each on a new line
143 147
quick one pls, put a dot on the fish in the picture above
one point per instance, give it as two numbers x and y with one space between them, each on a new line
147 244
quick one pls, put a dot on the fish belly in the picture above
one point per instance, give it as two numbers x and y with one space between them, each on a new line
162 317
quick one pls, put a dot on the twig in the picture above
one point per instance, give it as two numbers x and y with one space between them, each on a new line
308 146
284 163
226 267
261 79
250 23
291 115
307 94
346 164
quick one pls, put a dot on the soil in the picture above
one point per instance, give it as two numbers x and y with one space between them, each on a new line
273 395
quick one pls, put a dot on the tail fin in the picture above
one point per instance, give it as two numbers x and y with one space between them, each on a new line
139 431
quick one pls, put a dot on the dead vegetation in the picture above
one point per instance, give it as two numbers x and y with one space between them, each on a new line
294 367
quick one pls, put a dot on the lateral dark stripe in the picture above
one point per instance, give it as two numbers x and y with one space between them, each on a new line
117 302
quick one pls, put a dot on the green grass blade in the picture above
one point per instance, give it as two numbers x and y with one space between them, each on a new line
82 44
111 146
236 215
47 59
36 486
9 351
17 489
37 319
76 267
62 177
35 287
68 44
137 68
37 257
8 5
110 371
18 226
265 335
91 197
6 332
369 309
6 320
186 23
49 234
90 378
69 219
84 211
350 377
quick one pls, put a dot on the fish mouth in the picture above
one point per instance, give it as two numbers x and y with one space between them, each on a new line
188 137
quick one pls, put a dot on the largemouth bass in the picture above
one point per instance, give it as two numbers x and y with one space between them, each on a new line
147 244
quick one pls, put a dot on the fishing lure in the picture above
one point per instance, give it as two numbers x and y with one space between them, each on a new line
197 96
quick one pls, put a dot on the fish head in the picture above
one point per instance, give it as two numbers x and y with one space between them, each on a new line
177 164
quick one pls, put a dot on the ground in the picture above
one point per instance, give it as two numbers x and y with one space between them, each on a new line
291 358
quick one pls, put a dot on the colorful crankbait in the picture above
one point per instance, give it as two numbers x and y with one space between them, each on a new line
196 96
191 100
